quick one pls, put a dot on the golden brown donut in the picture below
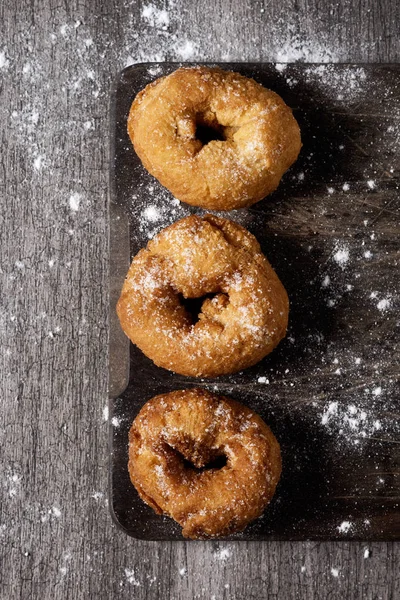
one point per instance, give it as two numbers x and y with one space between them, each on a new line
197 256
177 435
258 136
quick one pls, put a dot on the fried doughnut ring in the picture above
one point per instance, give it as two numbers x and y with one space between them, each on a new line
195 257
256 137
172 442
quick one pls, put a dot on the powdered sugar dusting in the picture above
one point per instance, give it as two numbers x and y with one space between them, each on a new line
341 255
3 61
159 41
342 86
155 209
155 17
384 304
223 553
185 50
56 512
353 422
130 577
74 201
293 47
151 214
345 527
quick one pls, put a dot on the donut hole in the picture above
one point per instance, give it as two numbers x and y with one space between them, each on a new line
216 462
198 307
207 133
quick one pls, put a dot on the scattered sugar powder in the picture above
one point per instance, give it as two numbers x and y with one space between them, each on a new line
335 572
341 255
182 571
326 281
3 60
296 48
55 511
74 201
65 559
153 208
384 304
13 482
331 410
345 527
115 422
366 553
263 380
159 41
130 577
151 213
223 553
155 17
38 162
185 50
371 184
98 495
344 85
349 421
105 413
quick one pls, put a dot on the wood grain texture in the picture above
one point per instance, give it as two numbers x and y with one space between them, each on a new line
57 61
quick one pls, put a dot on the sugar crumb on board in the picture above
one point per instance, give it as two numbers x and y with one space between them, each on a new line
345 527
341 254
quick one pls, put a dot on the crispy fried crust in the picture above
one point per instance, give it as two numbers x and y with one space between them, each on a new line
262 138
197 426
242 323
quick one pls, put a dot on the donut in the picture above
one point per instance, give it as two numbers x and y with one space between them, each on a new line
202 300
214 138
207 461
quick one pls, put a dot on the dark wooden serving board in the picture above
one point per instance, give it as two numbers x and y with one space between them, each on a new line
330 392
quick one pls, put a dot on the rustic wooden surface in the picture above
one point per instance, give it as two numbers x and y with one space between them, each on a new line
57 61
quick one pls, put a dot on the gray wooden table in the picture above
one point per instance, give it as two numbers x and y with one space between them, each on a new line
57 62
